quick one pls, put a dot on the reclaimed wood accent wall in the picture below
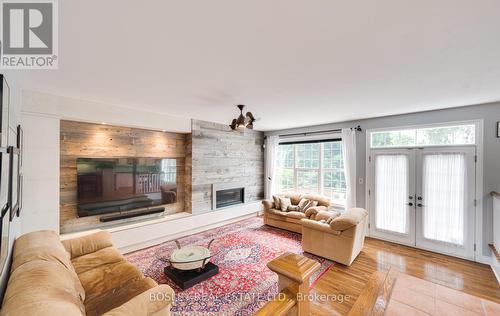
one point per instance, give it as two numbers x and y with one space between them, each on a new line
96 140
220 156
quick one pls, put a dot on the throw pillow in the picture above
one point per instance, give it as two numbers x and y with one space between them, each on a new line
276 199
310 204
302 204
285 203
328 221
294 208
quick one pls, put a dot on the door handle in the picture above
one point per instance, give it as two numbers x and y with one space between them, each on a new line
420 205
410 204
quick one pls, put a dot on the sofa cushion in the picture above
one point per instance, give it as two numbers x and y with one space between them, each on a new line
42 288
144 305
294 197
310 204
274 211
44 246
327 216
98 305
285 203
88 244
348 219
40 245
97 259
276 199
295 214
106 277
312 211
302 203
322 200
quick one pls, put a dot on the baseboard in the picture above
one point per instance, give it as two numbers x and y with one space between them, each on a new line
480 258
496 272
483 259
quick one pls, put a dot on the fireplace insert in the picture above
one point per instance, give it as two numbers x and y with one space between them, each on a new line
229 197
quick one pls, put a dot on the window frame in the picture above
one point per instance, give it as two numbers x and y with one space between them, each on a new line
369 133
320 170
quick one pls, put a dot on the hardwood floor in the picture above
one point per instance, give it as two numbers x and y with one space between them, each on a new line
346 283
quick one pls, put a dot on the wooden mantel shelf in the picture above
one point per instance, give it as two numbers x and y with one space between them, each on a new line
495 194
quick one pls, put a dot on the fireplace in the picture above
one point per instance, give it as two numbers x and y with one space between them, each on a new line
224 196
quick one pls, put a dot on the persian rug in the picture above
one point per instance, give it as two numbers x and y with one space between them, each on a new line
241 250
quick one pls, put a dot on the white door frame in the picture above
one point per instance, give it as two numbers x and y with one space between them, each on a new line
479 136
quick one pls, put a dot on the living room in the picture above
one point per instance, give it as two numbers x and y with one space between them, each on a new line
237 158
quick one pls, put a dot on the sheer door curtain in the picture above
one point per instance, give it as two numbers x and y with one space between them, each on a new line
444 197
391 193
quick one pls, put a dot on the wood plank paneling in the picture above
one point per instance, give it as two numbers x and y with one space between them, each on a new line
221 155
80 140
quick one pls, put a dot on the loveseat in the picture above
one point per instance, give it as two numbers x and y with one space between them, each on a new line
290 220
81 276
338 237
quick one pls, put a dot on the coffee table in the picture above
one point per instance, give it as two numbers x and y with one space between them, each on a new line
190 265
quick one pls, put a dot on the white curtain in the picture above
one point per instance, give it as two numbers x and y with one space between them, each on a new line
444 179
349 157
270 156
391 193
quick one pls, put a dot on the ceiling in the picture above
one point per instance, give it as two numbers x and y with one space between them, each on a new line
294 63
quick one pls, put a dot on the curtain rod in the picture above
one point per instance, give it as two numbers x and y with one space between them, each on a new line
337 130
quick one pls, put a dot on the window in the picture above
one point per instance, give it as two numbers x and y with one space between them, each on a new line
312 168
426 136
169 170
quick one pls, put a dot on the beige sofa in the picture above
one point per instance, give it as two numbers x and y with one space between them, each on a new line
291 220
338 237
82 276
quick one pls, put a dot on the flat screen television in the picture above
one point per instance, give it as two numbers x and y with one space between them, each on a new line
109 185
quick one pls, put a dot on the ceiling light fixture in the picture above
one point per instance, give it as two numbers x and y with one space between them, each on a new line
243 121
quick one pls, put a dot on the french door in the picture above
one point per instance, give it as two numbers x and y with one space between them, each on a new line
424 197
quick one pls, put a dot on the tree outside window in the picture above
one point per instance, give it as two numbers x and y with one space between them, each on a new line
312 168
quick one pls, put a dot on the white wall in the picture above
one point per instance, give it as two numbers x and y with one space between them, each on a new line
41 173
94 112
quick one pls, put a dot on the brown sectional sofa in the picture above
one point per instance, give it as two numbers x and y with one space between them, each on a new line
291 220
81 276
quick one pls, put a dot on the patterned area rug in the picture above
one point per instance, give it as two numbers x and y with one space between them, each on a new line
241 250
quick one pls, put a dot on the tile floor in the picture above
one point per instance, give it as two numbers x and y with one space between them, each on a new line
413 296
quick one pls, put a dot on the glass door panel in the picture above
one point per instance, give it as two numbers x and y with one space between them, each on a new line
392 198
445 192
